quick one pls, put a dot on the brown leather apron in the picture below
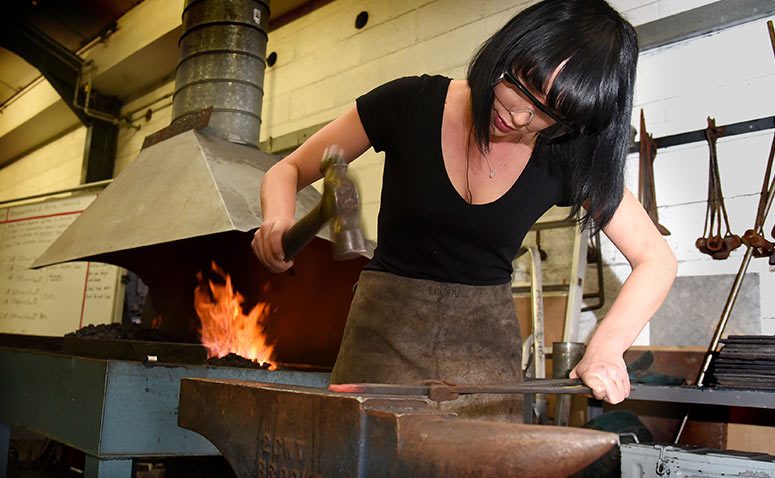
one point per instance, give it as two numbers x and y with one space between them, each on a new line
405 331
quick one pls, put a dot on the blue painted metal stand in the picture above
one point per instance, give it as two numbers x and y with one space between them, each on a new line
97 468
5 447
112 410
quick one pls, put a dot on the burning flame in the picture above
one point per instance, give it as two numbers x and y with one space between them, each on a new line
225 328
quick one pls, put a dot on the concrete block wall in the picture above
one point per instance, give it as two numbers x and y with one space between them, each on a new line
639 12
324 63
130 140
54 166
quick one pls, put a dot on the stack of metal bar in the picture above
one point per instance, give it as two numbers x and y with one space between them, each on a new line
747 361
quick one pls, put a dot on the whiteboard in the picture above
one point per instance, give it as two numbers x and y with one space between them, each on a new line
58 299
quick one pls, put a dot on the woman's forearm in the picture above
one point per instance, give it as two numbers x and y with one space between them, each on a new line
639 298
278 192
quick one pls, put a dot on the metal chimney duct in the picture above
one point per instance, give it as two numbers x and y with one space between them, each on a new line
189 183
222 62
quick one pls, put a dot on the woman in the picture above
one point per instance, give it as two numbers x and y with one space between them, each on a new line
542 119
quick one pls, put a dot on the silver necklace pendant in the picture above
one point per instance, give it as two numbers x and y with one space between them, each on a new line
503 164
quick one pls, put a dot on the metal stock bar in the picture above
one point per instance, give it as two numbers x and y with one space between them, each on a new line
442 391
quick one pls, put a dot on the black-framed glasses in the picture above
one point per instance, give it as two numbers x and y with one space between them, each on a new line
528 113
560 126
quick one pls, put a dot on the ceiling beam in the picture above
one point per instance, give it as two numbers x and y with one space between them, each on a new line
701 21
57 64
146 34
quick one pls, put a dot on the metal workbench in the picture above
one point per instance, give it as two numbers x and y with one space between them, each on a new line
731 397
112 410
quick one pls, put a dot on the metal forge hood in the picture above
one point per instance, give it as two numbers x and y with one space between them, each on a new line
187 186
193 200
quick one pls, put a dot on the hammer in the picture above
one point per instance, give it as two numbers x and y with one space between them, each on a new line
339 206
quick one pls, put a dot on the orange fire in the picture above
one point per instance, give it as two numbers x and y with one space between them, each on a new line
225 327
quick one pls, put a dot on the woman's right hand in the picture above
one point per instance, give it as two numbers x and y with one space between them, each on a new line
268 244
292 173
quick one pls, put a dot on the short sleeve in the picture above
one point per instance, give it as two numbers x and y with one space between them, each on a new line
566 200
381 110
562 176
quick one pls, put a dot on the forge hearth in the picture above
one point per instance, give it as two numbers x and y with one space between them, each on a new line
141 344
307 306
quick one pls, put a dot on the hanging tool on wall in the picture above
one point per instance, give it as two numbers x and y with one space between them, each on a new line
646 192
712 242
772 44
754 238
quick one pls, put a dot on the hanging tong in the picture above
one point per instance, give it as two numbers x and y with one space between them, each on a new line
646 192
770 193
712 242
754 238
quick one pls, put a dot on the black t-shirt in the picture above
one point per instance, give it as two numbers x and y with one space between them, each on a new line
425 228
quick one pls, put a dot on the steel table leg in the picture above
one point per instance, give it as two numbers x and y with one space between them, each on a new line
527 408
5 447
101 468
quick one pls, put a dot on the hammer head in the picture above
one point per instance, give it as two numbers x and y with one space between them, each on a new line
339 206
341 203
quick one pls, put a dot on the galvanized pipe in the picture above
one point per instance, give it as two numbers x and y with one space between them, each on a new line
222 63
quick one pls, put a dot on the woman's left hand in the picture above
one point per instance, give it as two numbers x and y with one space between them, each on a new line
605 373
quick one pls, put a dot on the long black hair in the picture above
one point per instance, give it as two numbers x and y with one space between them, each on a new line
593 91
